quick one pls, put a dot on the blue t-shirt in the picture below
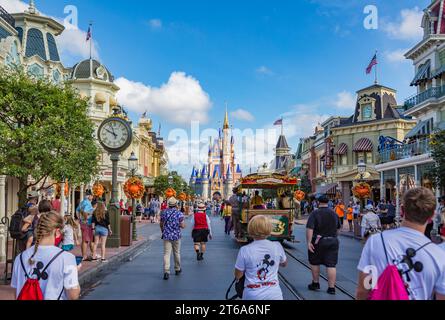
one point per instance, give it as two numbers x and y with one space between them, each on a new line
172 219
85 206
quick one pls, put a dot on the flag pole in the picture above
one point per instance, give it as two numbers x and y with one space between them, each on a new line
376 66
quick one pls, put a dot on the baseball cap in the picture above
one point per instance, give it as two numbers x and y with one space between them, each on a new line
369 207
322 198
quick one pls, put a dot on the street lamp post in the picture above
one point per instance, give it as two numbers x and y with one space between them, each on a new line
132 166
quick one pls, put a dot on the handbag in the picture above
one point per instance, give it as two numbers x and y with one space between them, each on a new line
239 288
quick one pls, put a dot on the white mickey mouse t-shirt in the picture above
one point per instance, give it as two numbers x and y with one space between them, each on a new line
62 273
260 262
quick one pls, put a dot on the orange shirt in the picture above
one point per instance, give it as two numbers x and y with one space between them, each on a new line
350 215
340 210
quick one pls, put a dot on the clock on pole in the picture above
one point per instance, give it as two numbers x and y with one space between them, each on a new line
115 135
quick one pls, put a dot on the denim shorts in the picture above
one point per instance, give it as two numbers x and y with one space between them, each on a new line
101 231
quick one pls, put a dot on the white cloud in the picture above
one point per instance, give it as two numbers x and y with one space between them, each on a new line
180 100
73 45
302 120
408 27
345 101
243 115
14 6
155 23
264 71
396 56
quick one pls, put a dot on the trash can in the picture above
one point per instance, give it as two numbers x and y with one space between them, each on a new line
126 231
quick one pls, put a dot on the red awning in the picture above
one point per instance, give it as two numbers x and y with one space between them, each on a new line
342 149
363 145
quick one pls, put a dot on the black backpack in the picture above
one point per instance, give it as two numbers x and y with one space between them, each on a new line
15 226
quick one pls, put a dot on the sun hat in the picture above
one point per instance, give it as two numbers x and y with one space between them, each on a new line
172 202
32 195
201 206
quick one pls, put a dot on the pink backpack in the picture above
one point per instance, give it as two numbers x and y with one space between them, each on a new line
390 285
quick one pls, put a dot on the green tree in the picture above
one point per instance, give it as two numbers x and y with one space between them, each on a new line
179 184
437 172
306 185
45 132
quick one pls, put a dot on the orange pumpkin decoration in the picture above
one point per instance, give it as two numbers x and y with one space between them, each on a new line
170 192
182 196
362 190
98 190
299 195
59 187
134 188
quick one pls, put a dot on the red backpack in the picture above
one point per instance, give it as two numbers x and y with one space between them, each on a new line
32 291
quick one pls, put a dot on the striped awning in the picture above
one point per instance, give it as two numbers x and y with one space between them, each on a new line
423 74
363 145
342 149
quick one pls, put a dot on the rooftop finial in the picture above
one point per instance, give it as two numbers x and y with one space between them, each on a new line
32 7
226 119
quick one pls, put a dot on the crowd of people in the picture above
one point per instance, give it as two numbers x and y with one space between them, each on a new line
404 256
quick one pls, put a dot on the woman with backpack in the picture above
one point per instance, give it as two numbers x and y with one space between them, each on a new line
45 272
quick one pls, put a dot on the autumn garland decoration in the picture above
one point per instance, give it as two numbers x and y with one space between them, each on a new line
362 190
134 188
299 195
98 190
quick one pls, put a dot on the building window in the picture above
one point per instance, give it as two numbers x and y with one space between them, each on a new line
368 157
367 112
442 57
344 160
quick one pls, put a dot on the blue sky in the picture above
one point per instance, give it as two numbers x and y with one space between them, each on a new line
302 59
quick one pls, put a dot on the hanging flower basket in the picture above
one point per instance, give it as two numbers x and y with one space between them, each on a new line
98 190
134 188
362 190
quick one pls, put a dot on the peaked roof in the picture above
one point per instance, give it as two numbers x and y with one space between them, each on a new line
282 143
226 121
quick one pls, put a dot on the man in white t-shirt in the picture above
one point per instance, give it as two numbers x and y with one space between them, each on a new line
62 272
418 207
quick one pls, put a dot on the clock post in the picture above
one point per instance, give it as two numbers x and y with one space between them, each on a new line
114 241
115 135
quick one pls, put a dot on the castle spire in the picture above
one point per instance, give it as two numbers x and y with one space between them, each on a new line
226 119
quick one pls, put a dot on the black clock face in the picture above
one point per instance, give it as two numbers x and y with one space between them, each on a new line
115 134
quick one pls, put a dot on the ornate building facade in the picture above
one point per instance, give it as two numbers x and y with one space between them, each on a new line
220 173
28 40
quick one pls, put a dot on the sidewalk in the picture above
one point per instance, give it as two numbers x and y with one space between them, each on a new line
91 270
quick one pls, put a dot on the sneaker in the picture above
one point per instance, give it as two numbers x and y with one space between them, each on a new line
331 291
202 256
178 272
166 276
104 260
314 286
198 256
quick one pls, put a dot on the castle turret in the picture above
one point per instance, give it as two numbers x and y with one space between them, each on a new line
205 183
228 184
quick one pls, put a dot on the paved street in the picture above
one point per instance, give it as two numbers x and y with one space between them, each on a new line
141 279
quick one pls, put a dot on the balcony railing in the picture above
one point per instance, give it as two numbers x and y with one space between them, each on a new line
7 17
406 151
433 92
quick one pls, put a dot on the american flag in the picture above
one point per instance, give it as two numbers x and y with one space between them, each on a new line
89 34
278 122
372 64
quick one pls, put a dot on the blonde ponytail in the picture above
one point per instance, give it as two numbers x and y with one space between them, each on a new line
48 222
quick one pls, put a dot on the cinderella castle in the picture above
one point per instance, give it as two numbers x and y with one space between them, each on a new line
220 173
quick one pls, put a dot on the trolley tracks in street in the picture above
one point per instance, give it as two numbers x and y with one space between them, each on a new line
298 293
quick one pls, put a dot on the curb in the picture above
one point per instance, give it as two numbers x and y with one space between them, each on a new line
91 276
